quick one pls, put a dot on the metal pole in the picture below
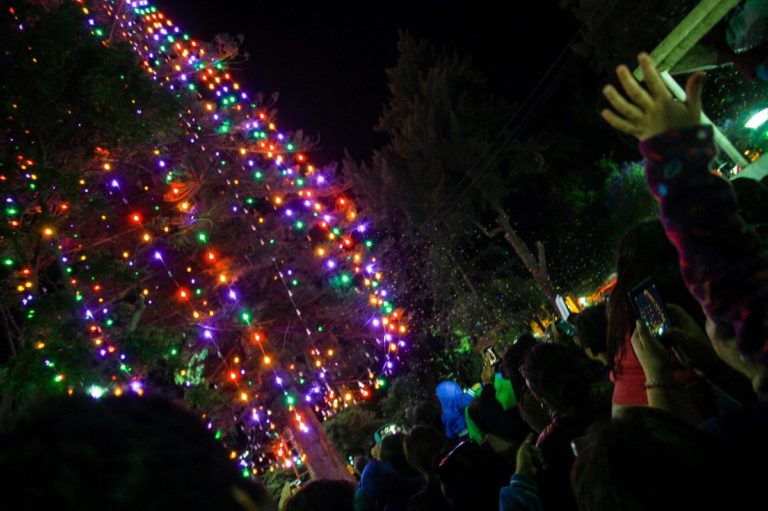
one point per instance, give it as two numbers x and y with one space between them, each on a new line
720 139
678 43
688 32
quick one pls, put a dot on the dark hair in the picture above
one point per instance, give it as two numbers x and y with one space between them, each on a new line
513 359
554 375
323 495
425 413
647 459
423 447
472 475
592 328
392 451
643 252
116 453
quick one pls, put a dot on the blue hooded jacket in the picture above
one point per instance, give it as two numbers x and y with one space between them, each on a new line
453 401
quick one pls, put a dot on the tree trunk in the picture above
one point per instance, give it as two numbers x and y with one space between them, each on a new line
536 265
322 459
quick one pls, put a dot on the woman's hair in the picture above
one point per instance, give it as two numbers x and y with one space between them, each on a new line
644 252
554 375
592 328
649 460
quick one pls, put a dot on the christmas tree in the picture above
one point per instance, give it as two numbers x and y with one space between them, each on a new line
163 235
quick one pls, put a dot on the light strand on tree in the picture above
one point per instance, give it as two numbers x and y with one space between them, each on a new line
263 180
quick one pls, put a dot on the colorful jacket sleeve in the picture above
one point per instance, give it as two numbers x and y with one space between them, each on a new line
722 260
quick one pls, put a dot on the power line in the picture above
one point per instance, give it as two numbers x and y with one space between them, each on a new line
551 86
510 138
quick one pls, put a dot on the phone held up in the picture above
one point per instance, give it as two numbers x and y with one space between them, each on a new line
650 308
562 325
492 358
384 431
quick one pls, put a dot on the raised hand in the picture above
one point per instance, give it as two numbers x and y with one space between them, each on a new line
647 113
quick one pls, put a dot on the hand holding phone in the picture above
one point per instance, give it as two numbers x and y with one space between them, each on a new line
652 355
650 308
490 357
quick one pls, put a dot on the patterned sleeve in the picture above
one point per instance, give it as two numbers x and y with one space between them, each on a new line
722 260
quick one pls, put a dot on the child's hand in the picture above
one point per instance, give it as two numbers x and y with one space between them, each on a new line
647 113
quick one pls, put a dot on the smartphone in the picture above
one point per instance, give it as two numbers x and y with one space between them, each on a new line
650 308
491 357
565 328
389 429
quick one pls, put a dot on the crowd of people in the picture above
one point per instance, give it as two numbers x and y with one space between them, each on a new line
652 400
608 412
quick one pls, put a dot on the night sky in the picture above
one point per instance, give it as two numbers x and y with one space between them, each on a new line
328 61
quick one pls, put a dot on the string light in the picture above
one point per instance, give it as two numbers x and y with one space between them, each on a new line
202 283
